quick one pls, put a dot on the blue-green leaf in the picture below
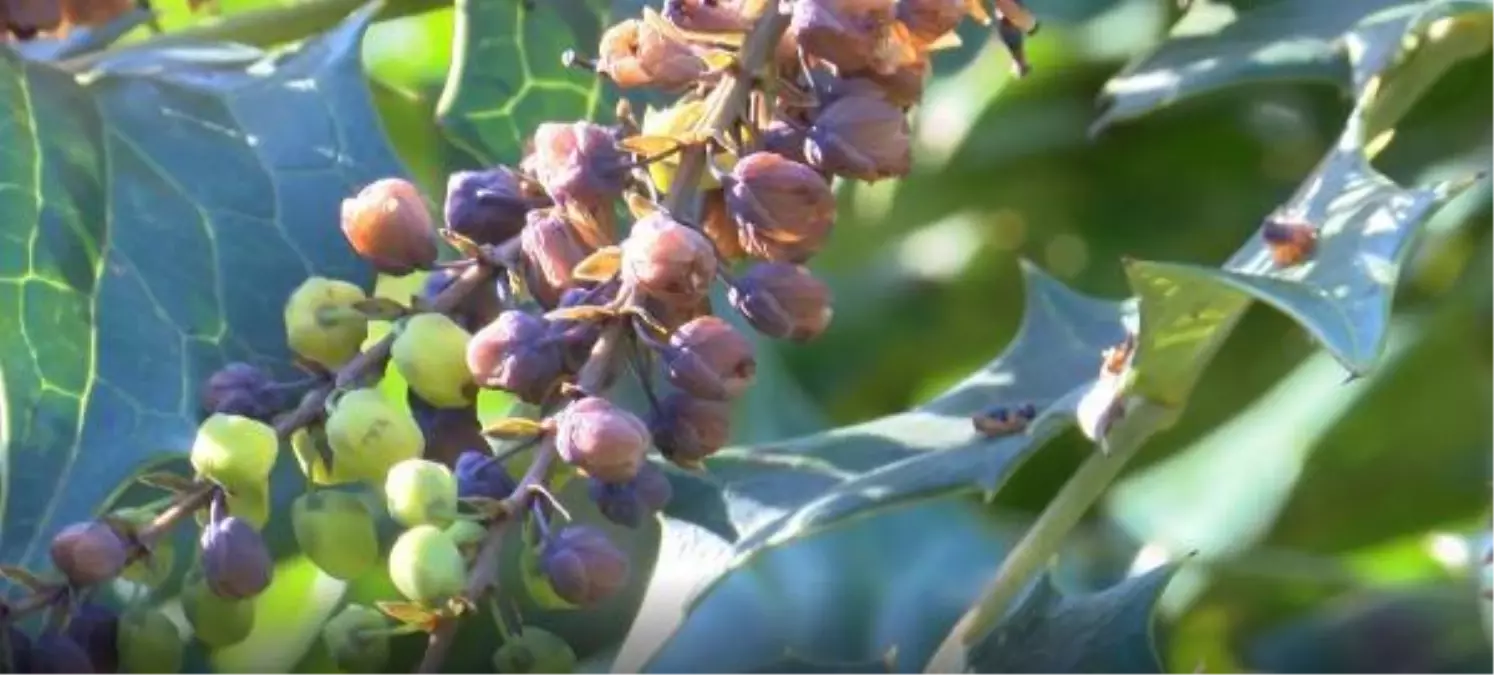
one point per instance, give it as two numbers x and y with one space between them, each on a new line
157 212
1106 632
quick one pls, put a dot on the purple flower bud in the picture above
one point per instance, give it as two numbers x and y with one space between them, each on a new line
637 53
845 33
860 136
785 140
511 354
604 441
583 566
783 301
785 209
579 163
236 564
618 502
244 390
479 474
551 247
628 504
706 16
929 20
689 429
54 652
576 338
490 206
652 487
388 225
89 553
710 359
95 628
668 261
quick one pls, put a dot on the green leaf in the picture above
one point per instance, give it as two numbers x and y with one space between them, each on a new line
1212 48
774 495
506 76
1341 295
1106 632
773 492
158 211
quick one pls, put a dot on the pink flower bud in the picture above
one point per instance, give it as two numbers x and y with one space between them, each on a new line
710 359
785 209
578 162
929 20
387 224
89 553
862 137
551 248
843 32
488 207
688 429
638 54
511 354
668 261
583 566
604 441
783 301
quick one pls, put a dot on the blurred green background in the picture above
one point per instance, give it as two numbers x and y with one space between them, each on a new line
1335 522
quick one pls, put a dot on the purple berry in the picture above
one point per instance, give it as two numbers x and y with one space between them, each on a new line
479 474
582 565
236 564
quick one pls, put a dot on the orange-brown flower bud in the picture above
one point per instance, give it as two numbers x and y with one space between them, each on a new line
668 261
637 53
387 224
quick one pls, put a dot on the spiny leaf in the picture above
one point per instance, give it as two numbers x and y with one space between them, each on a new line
1212 49
757 500
410 614
230 160
1105 632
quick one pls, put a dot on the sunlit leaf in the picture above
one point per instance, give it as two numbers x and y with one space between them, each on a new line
171 201
1214 47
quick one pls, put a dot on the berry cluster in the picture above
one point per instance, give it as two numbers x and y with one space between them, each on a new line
549 301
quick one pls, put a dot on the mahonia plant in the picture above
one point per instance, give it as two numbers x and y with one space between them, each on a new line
592 257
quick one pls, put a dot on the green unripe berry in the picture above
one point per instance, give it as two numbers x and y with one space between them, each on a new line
305 445
430 351
336 531
351 640
149 642
419 492
369 435
234 451
468 535
321 324
534 650
216 621
426 566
